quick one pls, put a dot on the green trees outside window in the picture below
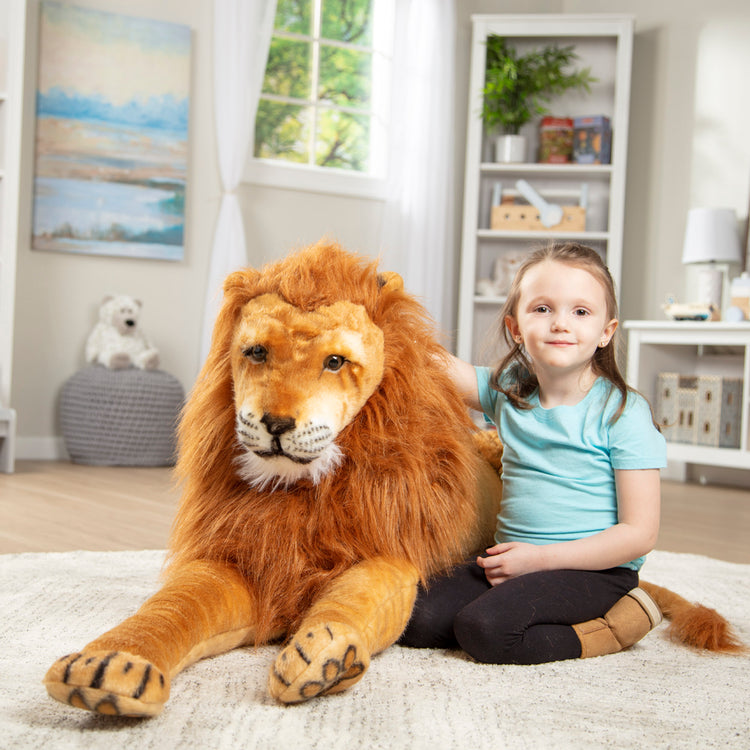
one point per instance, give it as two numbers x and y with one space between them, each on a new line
316 105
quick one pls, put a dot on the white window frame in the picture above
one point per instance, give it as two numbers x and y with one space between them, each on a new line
293 176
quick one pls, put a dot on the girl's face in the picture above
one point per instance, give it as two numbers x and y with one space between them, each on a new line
561 318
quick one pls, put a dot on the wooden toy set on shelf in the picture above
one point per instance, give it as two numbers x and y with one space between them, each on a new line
536 213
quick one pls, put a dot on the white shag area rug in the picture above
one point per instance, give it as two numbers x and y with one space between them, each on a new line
656 695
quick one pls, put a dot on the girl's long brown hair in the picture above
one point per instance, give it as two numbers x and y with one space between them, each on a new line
514 376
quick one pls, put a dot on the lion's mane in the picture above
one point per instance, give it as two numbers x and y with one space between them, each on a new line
405 490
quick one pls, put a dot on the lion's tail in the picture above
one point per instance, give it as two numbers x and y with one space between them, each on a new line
693 624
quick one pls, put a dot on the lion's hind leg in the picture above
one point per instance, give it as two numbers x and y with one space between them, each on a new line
362 612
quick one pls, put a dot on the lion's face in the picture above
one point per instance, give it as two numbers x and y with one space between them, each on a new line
299 379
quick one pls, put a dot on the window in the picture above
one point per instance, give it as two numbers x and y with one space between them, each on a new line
322 115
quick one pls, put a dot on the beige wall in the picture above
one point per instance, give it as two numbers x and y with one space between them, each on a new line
671 151
57 295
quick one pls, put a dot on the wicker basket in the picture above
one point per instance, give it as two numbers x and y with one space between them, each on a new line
121 417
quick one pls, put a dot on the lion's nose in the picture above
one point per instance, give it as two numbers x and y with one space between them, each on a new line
277 425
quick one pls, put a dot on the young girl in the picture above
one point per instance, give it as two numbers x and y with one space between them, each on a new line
581 496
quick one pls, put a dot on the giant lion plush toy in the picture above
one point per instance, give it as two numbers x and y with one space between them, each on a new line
328 466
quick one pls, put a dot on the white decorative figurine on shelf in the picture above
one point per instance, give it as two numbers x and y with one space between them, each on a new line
116 341
694 311
503 271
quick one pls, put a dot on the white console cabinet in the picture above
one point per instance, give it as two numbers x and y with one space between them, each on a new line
693 348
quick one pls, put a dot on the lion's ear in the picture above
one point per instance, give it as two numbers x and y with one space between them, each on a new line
244 279
390 281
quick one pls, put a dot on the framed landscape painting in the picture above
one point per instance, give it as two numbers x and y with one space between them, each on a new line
112 109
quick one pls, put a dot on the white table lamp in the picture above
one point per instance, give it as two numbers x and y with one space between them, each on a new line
712 242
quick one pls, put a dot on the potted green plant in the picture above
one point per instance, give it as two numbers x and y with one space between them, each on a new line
520 87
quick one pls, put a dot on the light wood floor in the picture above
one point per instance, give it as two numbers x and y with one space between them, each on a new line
55 507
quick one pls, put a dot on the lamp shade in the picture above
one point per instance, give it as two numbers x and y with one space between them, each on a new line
711 235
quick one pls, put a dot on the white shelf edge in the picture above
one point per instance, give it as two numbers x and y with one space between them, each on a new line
495 234
491 167
688 325
729 458
480 299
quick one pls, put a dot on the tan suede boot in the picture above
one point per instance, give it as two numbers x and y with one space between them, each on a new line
625 624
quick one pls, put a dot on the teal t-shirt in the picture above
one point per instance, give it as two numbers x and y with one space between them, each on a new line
558 463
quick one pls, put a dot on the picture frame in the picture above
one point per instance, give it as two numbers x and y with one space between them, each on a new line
112 112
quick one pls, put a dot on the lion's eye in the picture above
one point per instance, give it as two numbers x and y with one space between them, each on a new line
256 353
334 362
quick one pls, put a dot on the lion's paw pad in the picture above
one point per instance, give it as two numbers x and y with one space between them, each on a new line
108 682
325 659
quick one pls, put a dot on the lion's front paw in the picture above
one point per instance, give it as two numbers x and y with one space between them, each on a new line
108 682
327 658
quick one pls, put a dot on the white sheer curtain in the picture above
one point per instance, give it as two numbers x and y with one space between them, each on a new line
418 220
242 35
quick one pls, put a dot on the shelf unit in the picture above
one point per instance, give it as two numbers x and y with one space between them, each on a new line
693 349
12 44
604 43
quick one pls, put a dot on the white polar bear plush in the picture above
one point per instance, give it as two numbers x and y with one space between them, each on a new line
116 341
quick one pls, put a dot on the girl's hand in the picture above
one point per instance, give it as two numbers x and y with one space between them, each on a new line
509 560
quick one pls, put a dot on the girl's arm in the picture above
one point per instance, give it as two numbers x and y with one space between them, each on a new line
465 379
638 502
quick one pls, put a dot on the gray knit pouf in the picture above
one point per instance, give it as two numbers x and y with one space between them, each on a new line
121 417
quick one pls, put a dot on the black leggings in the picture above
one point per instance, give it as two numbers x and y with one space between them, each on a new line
525 620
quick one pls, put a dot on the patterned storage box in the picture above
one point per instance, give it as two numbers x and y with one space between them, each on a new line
592 140
719 411
699 409
687 395
666 404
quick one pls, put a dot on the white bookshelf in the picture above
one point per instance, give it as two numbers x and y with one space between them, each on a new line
602 42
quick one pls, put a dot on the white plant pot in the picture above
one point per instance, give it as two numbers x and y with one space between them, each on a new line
510 149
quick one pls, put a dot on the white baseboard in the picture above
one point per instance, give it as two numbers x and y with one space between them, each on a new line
41 449
678 471
739 478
